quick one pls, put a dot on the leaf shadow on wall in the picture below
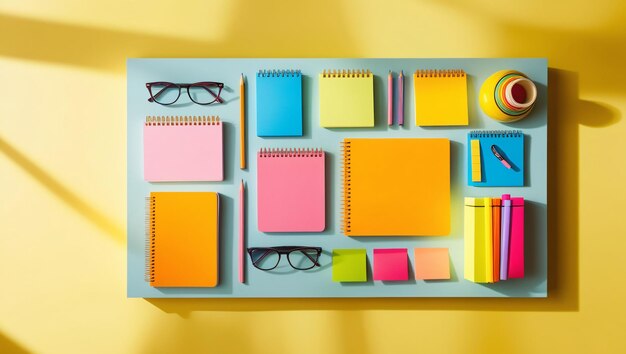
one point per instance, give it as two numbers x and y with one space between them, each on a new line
9 346
63 192
107 50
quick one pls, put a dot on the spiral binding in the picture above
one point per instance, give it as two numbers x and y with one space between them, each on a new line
440 73
346 207
278 73
296 152
150 238
495 134
182 120
346 73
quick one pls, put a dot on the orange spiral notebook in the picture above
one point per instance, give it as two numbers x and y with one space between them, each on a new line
396 187
182 231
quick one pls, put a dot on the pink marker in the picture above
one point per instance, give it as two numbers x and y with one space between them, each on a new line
241 232
494 149
390 99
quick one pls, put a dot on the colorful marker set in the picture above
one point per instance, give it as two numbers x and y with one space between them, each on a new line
494 238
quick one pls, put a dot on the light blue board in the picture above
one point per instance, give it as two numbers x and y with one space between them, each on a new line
284 282
279 104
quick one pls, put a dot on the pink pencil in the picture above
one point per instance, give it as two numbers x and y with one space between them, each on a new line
390 99
401 99
241 232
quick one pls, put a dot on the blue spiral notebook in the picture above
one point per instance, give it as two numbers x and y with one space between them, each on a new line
279 103
495 158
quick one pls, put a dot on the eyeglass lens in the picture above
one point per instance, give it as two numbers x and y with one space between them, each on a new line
303 259
164 92
204 93
265 259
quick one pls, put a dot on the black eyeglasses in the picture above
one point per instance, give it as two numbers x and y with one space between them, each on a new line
301 258
203 93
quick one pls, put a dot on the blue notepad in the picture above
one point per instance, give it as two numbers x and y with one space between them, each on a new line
509 145
279 103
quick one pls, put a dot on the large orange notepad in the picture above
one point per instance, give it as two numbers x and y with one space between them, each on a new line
182 239
396 187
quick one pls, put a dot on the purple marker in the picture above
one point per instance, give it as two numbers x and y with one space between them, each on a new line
505 233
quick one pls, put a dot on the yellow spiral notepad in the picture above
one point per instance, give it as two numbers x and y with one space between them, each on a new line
440 97
346 98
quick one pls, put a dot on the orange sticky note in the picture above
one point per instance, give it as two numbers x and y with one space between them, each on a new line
431 263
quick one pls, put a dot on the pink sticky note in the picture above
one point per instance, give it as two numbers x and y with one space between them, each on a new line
432 263
391 264
179 152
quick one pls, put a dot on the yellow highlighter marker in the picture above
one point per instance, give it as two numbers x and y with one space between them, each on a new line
476 163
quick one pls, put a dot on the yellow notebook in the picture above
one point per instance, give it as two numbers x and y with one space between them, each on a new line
440 97
396 187
182 239
346 98
478 240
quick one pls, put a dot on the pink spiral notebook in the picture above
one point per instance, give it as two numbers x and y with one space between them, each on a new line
291 190
183 149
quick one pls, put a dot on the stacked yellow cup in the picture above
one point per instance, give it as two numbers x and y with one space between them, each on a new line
507 96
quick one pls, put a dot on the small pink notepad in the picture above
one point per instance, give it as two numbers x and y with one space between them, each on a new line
391 264
183 151
291 191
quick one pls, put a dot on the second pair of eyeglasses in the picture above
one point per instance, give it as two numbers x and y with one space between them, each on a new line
299 257
203 93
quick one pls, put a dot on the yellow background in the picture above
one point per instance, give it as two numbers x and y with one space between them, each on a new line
62 175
